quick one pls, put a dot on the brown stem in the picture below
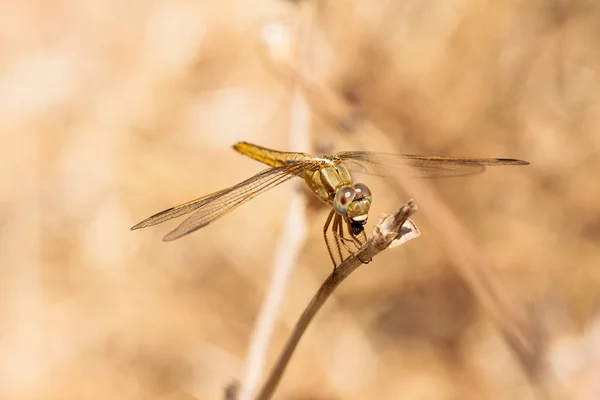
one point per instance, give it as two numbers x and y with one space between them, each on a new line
387 230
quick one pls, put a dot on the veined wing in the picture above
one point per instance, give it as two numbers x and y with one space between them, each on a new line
215 205
384 164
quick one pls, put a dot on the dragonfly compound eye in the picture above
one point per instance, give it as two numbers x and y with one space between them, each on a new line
362 191
343 199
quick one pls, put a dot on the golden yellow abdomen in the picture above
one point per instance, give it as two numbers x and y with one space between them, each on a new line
270 157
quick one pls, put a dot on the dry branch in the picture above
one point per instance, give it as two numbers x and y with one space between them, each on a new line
390 231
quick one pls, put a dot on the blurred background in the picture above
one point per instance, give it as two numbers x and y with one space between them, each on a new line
111 111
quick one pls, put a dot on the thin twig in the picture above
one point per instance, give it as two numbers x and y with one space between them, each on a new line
388 230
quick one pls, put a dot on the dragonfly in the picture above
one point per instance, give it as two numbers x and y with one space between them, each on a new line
329 178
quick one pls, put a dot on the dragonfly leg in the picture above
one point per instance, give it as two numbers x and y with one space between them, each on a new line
337 224
325 230
341 238
345 242
337 244
355 240
364 235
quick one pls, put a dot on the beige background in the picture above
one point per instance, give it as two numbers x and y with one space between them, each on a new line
112 111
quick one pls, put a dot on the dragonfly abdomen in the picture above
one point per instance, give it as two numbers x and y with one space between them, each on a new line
270 157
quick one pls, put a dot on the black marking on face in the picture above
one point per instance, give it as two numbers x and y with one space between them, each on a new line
357 226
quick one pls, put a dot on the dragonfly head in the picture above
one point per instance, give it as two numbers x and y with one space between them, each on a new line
354 202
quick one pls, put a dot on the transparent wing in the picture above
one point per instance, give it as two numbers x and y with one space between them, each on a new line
215 205
384 164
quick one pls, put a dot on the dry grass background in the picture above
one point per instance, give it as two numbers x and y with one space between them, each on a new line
112 111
